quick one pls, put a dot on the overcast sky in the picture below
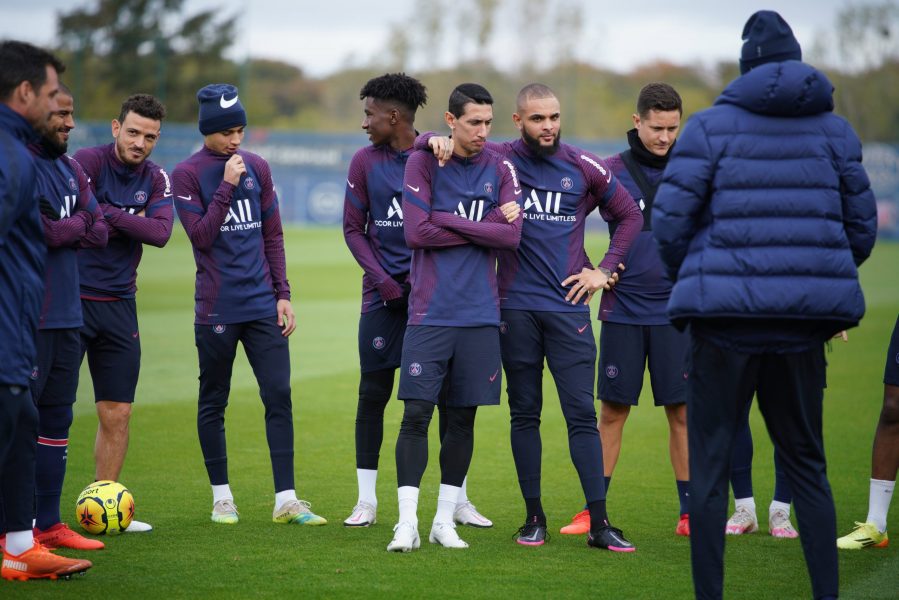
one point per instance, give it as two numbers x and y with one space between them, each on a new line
321 36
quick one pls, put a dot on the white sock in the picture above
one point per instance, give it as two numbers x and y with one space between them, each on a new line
221 492
749 503
879 502
463 492
18 542
368 480
777 505
446 503
284 496
407 497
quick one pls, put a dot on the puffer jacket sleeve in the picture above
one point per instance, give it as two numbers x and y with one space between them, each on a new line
683 195
859 205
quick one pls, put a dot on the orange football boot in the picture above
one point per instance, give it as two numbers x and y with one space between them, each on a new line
39 563
683 525
580 524
60 536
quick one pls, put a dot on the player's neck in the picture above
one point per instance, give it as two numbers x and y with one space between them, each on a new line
403 140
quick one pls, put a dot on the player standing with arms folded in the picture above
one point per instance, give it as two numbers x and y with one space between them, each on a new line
136 199
544 288
71 220
229 209
454 224
373 229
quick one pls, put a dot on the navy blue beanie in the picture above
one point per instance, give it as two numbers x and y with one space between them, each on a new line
220 109
767 38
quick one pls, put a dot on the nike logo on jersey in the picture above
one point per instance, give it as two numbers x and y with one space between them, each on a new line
350 183
517 192
582 329
188 197
227 103
493 377
414 189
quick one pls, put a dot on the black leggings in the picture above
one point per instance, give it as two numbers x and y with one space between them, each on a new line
375 389
456 445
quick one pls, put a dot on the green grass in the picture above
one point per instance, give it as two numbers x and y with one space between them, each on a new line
187 556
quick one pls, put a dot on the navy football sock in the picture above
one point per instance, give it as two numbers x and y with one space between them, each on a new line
50 463
683 494
534 508
598 516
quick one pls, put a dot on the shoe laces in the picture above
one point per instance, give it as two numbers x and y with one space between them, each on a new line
397 527
225 506
529 527
742 515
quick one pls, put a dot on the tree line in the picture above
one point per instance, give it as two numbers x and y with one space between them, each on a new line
118 47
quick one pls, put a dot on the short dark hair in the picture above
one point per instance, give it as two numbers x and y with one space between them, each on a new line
658 96
533 91
20 61
144 105
406 91
468 93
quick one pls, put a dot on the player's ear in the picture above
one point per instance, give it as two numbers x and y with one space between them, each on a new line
116 126
636 119
516 118
450 119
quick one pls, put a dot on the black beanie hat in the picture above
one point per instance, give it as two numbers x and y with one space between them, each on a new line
767 38
220 108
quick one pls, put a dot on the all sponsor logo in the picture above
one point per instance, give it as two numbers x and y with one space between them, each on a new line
219 328
240 217
415 369
378 343
611 371
546 208
140 197
68 206
474 212
394 215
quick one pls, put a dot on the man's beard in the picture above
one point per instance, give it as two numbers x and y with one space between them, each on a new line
51 143
539 149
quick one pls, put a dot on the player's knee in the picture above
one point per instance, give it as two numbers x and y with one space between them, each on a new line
114 415
677 416
416 418
889 414
55 418
613 414
375 387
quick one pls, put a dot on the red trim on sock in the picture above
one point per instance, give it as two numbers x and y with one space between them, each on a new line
45 441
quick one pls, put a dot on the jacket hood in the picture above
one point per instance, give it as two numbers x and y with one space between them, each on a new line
782 89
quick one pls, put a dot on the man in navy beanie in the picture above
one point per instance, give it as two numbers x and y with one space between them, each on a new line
227 204
762 218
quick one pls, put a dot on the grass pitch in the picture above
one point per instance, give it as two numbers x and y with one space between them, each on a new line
187 556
